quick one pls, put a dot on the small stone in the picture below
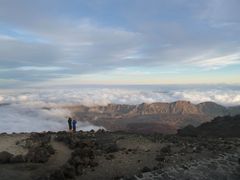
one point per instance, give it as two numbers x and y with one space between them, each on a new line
160 158
166 149
140 175
146 169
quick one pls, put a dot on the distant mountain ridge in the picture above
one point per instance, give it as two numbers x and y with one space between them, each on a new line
178 107
167 116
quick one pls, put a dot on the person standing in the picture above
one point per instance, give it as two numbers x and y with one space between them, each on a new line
74 122
70 124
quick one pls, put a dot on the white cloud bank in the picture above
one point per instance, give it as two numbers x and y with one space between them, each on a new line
122 95
20 118
25 112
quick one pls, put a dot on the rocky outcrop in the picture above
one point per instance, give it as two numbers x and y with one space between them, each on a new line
226 126
6 157
39 154
39 148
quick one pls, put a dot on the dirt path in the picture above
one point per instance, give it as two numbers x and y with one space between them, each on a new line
61 156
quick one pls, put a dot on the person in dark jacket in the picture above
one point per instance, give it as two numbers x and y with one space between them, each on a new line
70 123
74 122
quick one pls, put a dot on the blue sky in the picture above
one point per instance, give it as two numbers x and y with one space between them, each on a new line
62 42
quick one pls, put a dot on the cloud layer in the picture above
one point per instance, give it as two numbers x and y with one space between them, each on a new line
224 95
25 118
26 110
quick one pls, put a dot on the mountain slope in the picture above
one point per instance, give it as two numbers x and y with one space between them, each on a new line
167 116
226 126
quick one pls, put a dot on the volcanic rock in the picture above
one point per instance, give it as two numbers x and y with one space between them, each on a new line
68 171
57 175
5 157
39 154
166 149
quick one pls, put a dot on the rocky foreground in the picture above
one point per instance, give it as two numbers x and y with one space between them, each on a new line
117 155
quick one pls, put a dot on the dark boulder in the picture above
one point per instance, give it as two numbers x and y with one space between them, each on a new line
160 158
5 157
79 170
50 149
93 163
38 155
111 148
146 169
75 161
57 175
68 171
82 153
166 150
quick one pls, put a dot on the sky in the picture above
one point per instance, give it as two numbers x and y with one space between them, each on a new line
62 42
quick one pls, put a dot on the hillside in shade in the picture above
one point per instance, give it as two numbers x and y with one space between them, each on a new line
226 126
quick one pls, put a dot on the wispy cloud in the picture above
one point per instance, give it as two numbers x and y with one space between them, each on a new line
207 62
6 37
35 68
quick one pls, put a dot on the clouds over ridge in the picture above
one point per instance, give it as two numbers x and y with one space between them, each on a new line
24 110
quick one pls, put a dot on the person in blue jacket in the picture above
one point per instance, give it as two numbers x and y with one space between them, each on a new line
74 122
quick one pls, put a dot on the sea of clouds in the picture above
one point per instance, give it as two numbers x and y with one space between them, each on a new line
27 110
